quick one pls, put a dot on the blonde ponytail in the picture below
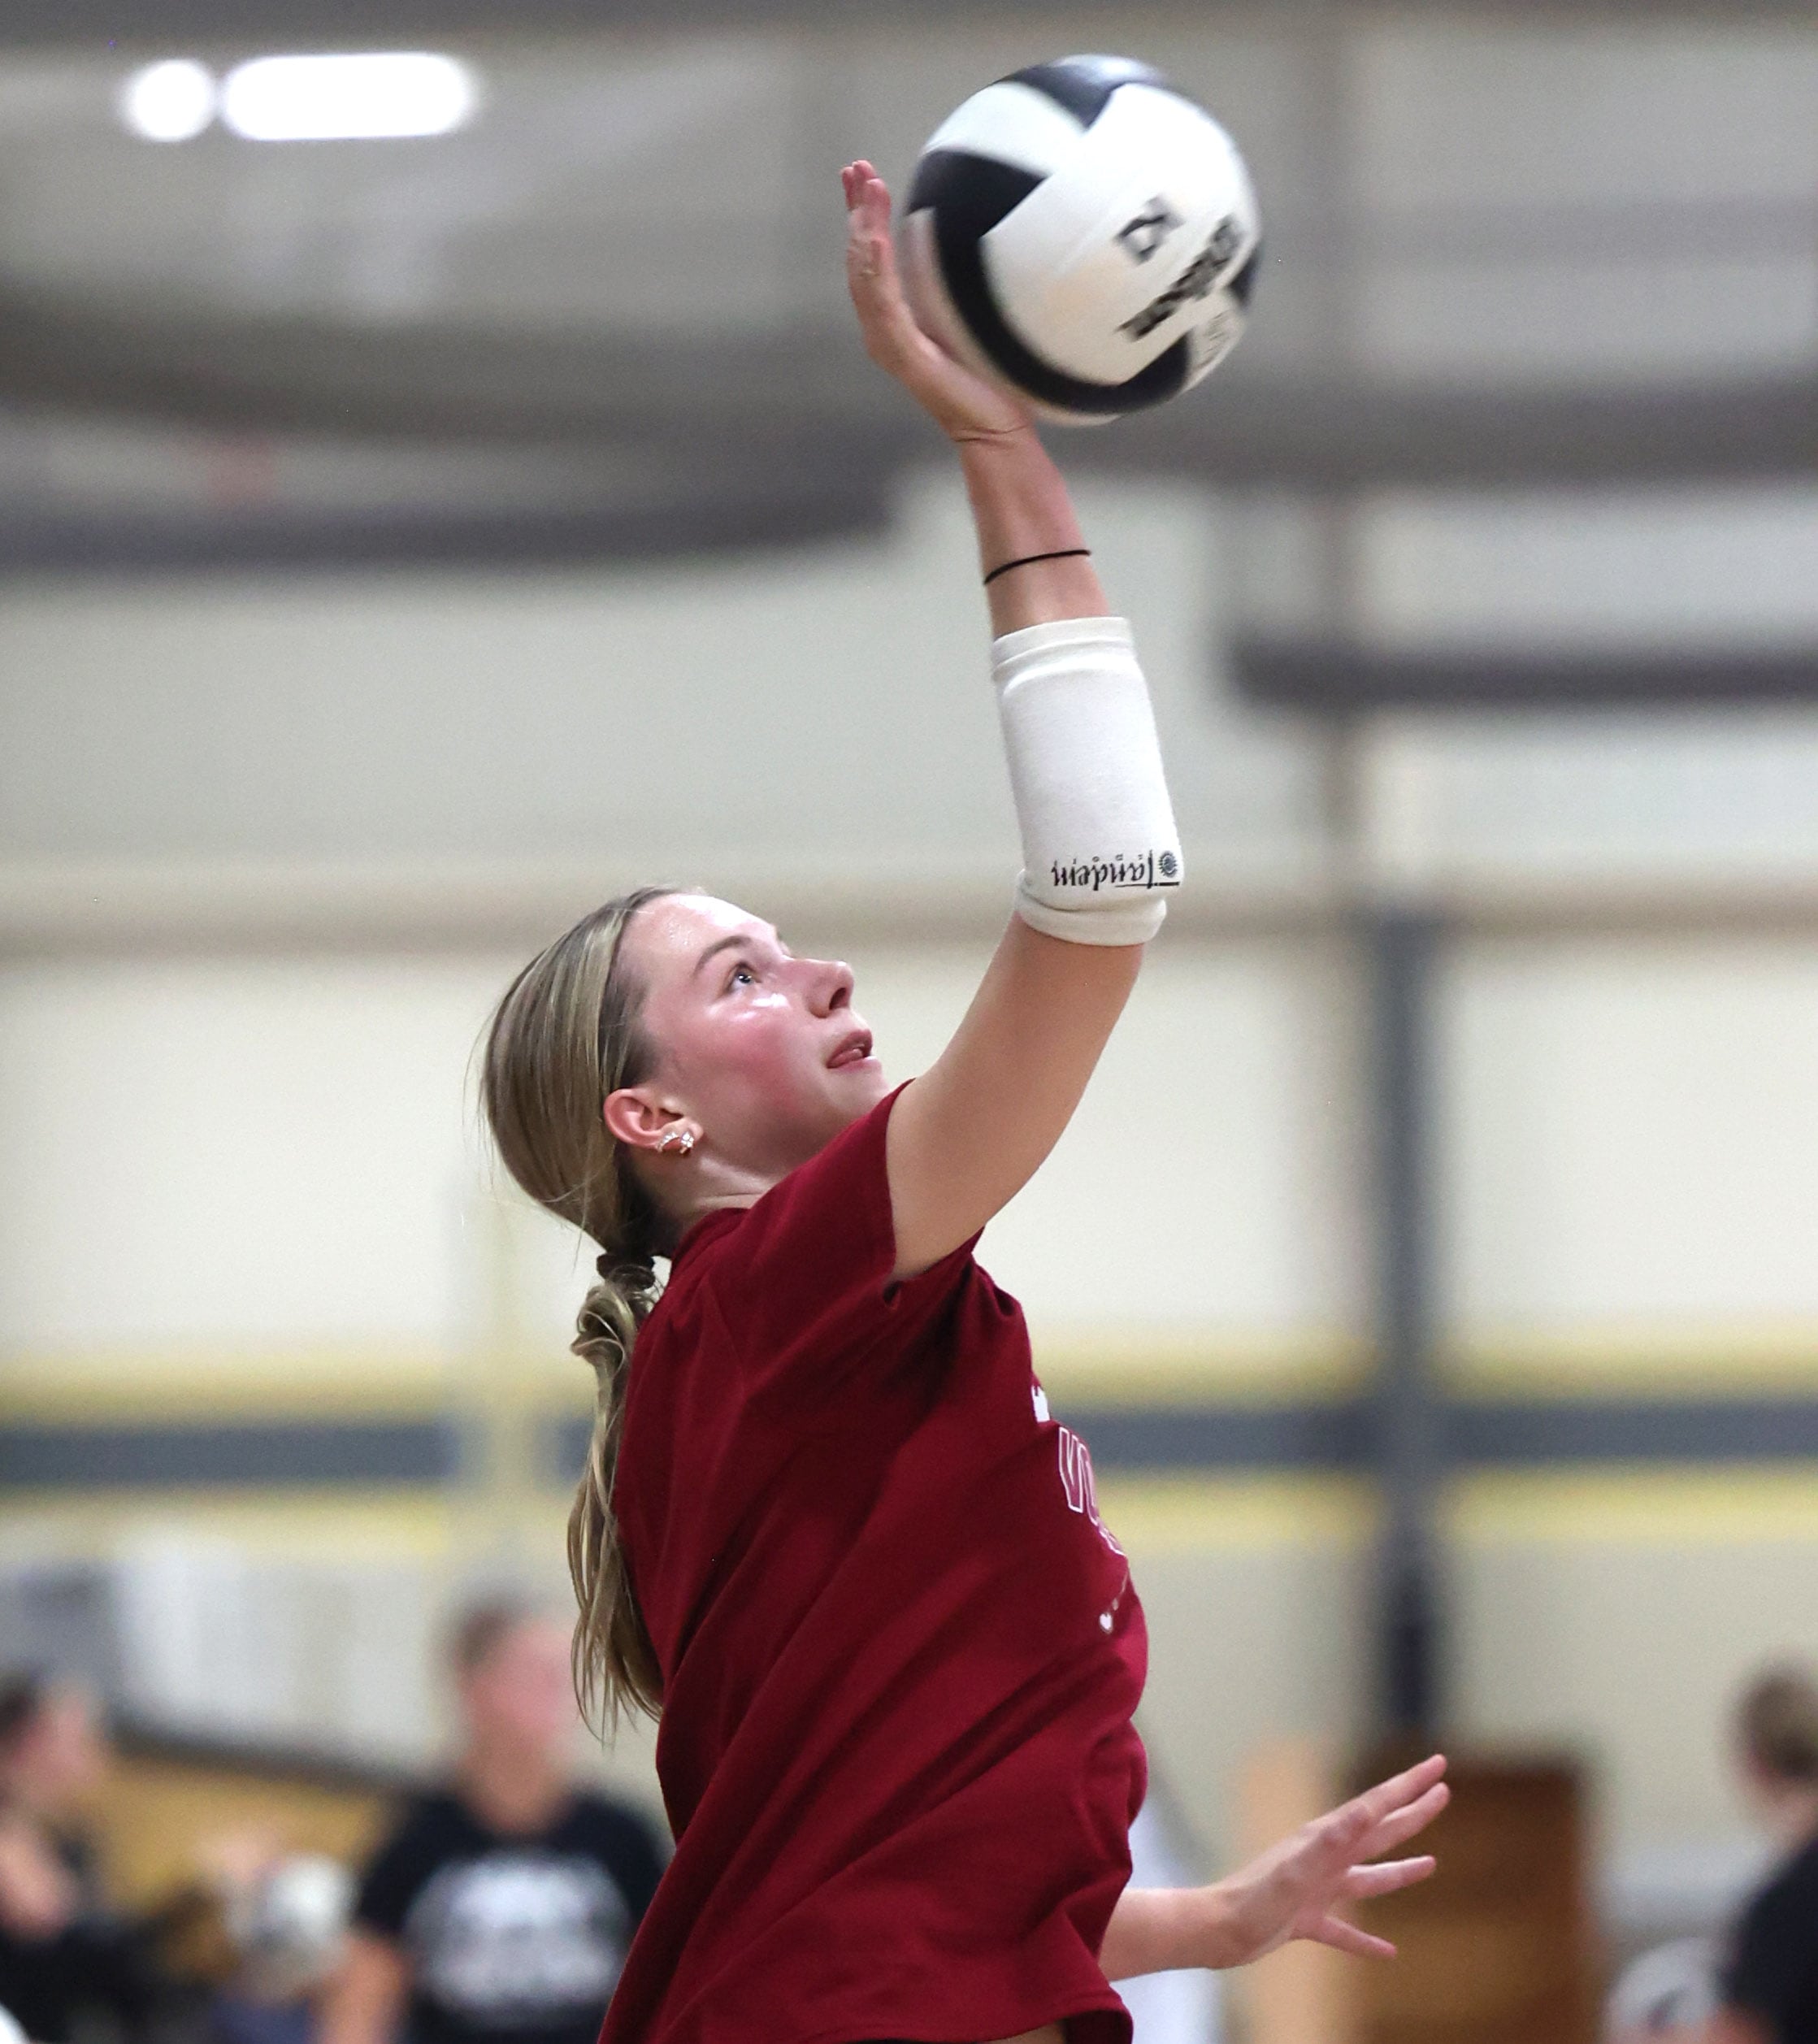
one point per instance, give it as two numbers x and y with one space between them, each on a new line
615 1666
564 1036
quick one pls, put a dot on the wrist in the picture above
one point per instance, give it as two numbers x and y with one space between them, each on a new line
1196 1929
1167 1931
1214 1929
990 441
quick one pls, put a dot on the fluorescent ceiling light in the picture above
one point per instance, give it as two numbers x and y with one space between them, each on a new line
172 102
350 98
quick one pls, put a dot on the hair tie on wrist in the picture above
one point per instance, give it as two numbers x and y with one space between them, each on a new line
1028 560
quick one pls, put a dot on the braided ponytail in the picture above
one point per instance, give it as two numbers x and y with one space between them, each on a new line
615 1667
564 1038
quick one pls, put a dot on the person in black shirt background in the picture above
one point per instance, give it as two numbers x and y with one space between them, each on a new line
1769 1984
501 1909
66 1959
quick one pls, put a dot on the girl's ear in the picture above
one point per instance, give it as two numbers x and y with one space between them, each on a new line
633 1117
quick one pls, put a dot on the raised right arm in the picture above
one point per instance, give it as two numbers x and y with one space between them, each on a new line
1099 848
967 1136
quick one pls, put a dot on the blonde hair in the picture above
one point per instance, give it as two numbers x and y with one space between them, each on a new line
564 1036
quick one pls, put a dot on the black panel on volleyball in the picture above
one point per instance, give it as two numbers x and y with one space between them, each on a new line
967 196
1082 85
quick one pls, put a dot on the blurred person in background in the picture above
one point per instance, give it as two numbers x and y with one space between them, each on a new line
1769 1985
502 1906
66 1960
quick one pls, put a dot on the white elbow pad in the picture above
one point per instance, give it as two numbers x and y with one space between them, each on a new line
1100 852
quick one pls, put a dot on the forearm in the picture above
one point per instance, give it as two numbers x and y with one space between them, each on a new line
1020 506
1165 1930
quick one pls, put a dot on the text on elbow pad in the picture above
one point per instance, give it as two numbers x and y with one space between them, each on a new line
1142 870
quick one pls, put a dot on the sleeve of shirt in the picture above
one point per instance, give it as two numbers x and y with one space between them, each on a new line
804 1284
393 1878
1774 1956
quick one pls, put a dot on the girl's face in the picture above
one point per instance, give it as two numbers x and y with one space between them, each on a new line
759 1050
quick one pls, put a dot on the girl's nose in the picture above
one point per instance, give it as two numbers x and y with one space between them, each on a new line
831 987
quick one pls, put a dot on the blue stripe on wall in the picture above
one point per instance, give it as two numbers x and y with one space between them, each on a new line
306 1452
1308 1437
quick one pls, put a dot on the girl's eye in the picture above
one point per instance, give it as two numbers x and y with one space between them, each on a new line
742 973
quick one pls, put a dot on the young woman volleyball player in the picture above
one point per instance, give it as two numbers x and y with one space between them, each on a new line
828 1526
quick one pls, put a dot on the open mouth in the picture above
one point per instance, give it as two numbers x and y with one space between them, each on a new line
854 1050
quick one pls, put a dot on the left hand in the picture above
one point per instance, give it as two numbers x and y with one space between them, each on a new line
1294 1889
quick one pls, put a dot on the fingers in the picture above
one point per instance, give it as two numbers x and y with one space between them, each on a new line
1387 1877
867 213
1406 1787
1376 1807
1402 1824
871 267
1375 1823
1347 1937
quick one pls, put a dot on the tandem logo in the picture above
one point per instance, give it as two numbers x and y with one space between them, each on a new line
1195 281
1144 869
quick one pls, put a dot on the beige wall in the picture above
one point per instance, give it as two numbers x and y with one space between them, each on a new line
245 1172
1630 1127
231 1155
226 1168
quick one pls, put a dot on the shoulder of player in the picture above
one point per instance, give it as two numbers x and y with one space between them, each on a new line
603 1817
430 1818
1799 1877
1785 1901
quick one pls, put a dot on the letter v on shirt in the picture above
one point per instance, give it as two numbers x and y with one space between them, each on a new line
900 1653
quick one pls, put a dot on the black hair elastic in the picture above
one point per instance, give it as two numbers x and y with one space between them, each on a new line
1028 560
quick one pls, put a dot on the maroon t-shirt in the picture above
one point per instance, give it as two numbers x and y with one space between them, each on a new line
900 1651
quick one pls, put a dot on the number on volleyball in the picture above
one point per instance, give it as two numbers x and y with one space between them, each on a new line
1084 233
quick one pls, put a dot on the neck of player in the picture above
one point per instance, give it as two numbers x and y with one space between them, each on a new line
510 1786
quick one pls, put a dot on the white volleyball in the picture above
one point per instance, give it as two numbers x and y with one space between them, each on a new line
1084 234
289 1925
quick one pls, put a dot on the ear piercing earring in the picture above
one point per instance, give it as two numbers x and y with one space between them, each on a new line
676 1141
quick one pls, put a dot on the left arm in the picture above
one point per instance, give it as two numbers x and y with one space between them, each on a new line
1293 1890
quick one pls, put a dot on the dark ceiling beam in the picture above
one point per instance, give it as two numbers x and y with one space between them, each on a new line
359 23
1336 680
717 515
1327 437
809 398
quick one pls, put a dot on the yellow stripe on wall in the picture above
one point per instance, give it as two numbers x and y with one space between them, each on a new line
1214 1513
1227 1513
1638 1359
1634 1505
1111 1369
1118 1368
417 1523
222 1387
